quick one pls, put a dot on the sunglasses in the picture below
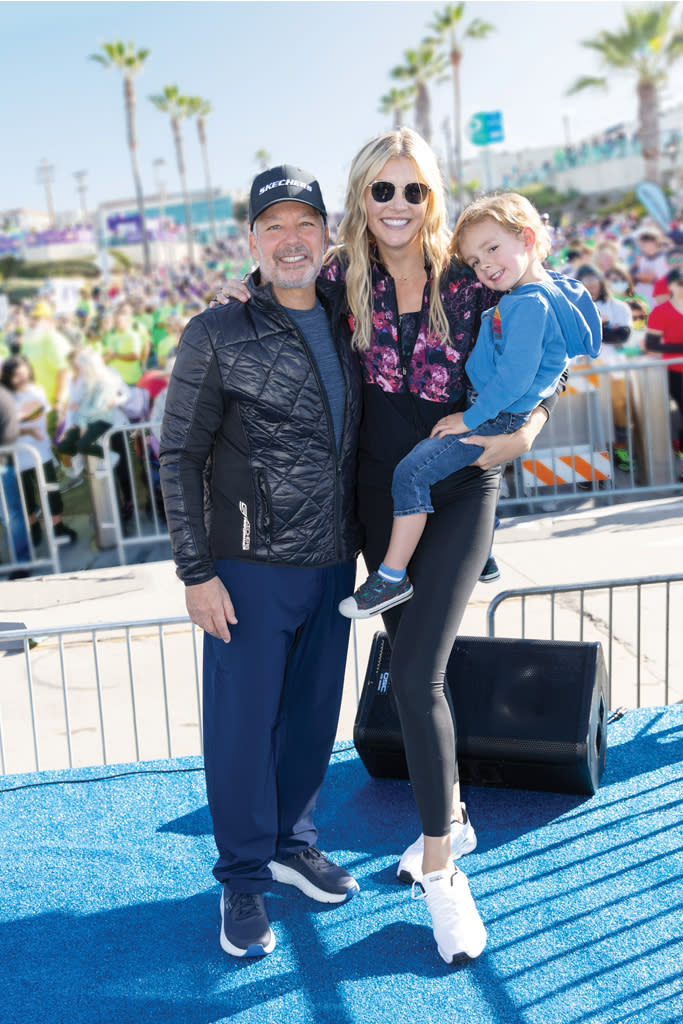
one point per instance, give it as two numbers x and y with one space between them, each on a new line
414 192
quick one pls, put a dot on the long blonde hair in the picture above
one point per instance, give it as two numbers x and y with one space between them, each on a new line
355 239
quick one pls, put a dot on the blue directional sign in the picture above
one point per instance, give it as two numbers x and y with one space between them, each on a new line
486 127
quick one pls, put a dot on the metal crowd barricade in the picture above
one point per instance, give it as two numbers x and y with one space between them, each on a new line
104 693
636 620
45 556
128 525
573 457
119 692
575 452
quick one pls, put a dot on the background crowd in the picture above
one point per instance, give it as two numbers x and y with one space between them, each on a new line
70 376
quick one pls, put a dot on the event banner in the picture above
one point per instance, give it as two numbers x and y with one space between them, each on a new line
14 243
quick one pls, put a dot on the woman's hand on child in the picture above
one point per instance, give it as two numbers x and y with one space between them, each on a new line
452 424
502 448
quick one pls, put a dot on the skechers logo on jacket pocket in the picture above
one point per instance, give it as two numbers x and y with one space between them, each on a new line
246 526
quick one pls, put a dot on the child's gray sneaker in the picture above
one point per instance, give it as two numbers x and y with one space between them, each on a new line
375 595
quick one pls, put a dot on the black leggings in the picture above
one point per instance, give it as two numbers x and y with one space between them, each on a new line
449 558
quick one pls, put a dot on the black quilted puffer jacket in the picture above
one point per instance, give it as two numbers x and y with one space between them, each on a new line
249 465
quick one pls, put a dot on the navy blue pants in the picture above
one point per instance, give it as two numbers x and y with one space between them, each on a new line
271 706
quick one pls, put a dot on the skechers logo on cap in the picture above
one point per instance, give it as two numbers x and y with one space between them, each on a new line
285 181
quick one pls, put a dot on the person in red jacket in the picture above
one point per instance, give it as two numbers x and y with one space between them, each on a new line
660 292
665 335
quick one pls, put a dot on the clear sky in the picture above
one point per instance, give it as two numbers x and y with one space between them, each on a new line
301 80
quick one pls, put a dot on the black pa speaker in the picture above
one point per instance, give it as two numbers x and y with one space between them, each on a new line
530 714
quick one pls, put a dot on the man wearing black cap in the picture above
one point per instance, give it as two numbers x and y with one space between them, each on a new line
258 451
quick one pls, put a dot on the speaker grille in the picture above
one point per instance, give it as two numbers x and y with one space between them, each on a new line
530 713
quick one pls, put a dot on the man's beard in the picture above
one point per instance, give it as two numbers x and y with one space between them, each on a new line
285 282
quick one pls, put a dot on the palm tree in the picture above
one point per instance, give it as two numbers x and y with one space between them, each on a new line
421 65
172 103
130 62
200 108
650 41
444 26
396 102
262 158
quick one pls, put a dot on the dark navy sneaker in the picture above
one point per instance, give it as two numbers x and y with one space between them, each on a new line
490 572
245 930
316 876
375 595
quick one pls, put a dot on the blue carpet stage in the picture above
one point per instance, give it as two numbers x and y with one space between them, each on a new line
108 910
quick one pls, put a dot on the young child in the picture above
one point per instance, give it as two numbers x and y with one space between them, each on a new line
524 345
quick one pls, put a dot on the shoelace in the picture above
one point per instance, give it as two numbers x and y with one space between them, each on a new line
372 584
312 853
375 584
244 905
450 912
417 892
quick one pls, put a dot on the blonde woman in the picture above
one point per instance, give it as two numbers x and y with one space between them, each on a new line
416 313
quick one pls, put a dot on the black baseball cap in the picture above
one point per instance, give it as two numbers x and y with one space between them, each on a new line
282 183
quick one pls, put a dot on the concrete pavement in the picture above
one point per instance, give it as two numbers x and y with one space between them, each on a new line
574 547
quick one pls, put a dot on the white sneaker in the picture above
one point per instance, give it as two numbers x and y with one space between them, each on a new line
457 927
463 840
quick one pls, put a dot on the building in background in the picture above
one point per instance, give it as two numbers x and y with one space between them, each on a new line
605 164
27 234
118 224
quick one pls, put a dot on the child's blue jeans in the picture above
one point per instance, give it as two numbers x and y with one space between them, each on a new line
435 458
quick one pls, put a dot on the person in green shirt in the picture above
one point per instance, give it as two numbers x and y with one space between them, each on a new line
125 348
168 344
85 309
143 312
143 320
48 350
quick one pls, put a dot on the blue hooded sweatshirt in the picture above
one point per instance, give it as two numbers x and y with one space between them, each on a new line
525 343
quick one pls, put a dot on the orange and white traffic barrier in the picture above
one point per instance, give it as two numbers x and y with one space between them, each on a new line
582 382
554 467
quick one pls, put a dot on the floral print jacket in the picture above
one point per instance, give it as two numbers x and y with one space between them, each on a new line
404 395
435 372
